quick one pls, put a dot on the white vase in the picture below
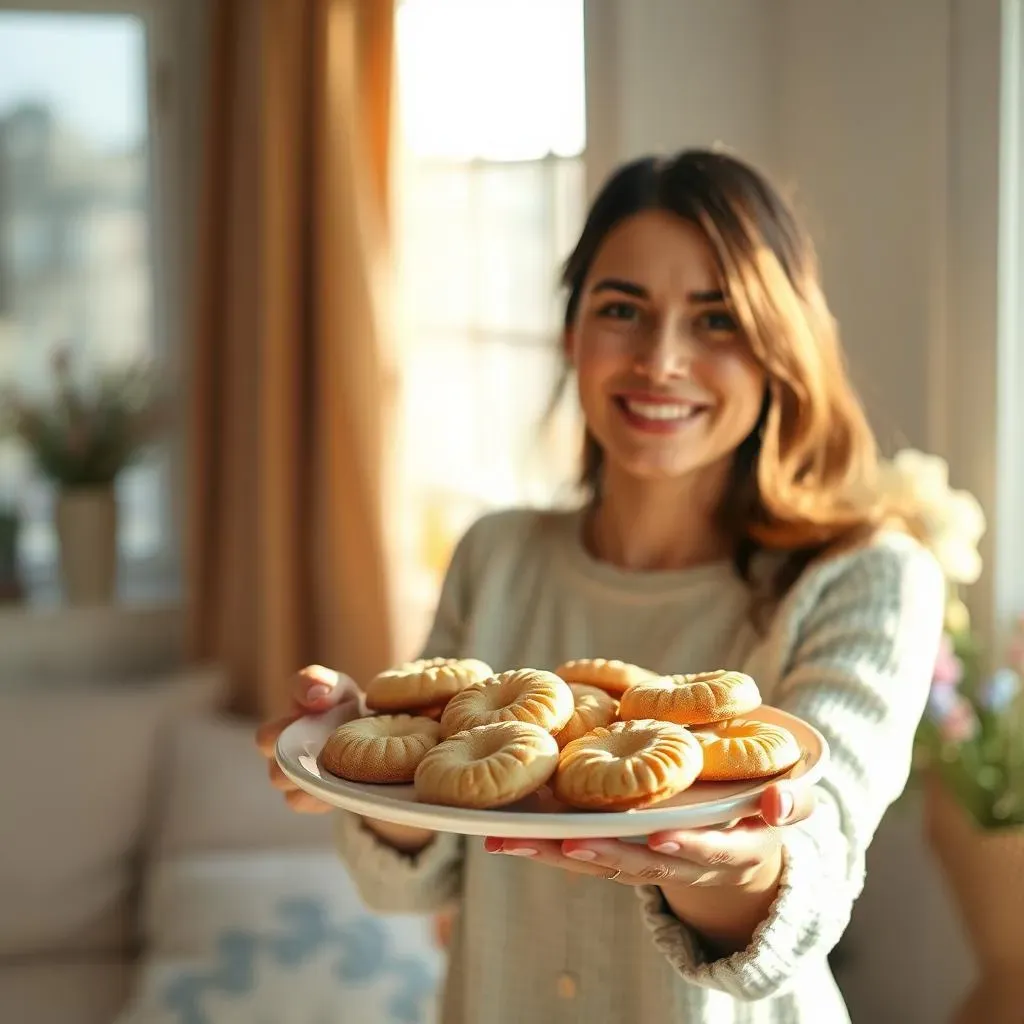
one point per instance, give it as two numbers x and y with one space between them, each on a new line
86 520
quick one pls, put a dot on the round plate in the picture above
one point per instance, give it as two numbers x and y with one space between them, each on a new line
538 816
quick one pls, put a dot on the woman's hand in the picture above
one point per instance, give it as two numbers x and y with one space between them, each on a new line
721 881
314 690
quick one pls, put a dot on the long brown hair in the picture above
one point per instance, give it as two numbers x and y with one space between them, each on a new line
801 481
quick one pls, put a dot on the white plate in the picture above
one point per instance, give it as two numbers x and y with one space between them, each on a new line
538 816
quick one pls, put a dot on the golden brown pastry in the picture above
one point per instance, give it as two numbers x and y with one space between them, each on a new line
489 766
743 749
524 695
615 677
594 708
627 765
381 748
423 684
698 699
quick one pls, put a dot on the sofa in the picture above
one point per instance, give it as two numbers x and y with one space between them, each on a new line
150 875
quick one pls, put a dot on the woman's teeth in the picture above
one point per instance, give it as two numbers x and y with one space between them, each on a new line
661 410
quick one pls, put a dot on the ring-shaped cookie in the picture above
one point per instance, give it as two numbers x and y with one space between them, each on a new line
380 748
523 695
608 674
594 708
697 699
423 684
489 766
627 765
746 749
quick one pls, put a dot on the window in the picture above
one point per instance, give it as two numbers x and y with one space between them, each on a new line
491 198
80 234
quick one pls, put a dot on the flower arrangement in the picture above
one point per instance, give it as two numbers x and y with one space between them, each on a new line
87 431
972 734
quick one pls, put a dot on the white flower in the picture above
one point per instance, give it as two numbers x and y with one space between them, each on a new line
949 523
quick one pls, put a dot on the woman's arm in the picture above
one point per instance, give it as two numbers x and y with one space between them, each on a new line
859 642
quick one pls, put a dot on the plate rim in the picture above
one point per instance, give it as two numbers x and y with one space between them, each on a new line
355 798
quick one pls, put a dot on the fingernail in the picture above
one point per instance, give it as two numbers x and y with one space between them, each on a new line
521 851
317 692
666 847
785 805
492 845
582 855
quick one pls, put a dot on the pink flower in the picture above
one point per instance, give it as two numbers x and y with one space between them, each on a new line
960 723
949 669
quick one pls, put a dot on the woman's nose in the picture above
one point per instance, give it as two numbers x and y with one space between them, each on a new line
666 352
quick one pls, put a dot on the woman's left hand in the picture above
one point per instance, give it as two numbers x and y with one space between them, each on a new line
744 860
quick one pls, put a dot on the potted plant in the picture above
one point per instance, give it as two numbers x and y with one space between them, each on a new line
81 435
969 749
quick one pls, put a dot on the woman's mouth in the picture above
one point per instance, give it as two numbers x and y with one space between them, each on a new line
658 416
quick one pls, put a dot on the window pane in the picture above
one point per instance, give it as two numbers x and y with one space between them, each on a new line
499 81
482 244
436 257
474 416
75 231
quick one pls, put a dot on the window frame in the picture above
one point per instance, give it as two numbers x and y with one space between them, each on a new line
978 358
157 577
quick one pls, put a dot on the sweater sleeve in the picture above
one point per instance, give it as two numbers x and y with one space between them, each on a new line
862 638
388 880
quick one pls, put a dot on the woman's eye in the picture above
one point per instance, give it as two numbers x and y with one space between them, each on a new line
719 322
619 311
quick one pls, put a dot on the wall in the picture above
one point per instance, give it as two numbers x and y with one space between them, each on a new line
882 118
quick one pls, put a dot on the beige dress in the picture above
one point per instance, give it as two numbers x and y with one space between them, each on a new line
850 649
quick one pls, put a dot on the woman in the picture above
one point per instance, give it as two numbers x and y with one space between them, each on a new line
731 525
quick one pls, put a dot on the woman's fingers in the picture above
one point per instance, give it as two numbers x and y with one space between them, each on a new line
268 732
314 689
278 779
317 689
297 800
786 805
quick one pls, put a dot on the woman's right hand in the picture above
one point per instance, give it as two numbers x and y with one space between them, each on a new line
315 690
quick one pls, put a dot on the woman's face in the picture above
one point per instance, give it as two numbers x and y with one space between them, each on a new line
667 383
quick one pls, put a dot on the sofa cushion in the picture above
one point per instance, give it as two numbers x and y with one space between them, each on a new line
282 936
218 797
80 764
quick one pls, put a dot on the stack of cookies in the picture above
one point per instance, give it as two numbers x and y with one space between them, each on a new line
605 735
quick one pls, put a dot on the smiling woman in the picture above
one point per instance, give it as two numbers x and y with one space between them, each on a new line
732 521
699 335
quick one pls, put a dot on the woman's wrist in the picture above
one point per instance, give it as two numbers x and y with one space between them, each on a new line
726 917
399 837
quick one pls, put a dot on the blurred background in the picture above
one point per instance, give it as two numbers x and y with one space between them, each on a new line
279 316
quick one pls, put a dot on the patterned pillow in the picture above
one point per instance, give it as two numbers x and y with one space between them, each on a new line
280 938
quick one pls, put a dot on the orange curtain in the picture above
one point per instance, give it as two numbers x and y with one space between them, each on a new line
293 378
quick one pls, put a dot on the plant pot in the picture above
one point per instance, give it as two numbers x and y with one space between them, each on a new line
985 871
86 521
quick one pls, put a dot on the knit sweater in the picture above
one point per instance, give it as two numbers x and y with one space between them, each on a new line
850 649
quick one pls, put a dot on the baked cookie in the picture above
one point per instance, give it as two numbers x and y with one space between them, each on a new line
614 677
424 683
627 765
697 699
489 766
744 749
524 695
594 708
381 748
